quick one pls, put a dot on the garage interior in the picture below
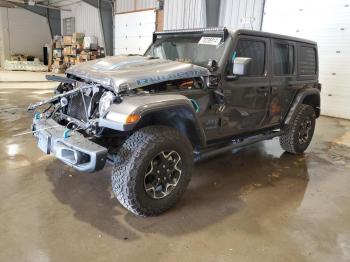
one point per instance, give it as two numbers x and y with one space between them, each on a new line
254 204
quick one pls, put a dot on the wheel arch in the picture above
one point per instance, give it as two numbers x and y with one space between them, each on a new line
314 101
309 96
181 117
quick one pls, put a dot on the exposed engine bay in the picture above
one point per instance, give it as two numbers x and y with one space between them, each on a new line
80 105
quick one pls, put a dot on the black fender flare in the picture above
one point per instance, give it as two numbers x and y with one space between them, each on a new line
172 110
299 99
178 114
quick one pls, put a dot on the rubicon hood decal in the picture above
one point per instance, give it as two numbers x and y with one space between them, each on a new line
131 72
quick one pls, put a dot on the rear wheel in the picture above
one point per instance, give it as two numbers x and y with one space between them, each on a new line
298 134
152 170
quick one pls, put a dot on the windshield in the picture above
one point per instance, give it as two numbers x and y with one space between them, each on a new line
189 49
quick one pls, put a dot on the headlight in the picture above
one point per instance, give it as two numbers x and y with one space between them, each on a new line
105 102
121 118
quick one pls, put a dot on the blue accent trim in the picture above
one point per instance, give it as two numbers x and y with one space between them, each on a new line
195 105
37 116
234 56
66 133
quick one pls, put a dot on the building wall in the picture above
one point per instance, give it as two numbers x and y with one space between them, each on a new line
245 14
328 23
144 4
87 20
183 14
22 32
4 39
133 5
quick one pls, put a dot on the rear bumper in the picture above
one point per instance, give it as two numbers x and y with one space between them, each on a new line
76 150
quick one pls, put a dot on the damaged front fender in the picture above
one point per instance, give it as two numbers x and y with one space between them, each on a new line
163 109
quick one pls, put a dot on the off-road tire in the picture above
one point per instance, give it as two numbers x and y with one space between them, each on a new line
289 141
131 164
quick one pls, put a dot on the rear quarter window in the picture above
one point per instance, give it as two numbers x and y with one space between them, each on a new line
307 61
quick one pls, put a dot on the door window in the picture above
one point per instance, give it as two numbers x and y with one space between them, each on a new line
283 59
256 51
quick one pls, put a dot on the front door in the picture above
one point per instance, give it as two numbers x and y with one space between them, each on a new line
247 97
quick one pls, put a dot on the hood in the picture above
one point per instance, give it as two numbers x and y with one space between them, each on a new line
130 72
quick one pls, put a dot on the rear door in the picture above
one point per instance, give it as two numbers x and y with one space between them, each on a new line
247 98
283 79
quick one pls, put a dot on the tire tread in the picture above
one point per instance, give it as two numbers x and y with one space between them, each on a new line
128 162
288 140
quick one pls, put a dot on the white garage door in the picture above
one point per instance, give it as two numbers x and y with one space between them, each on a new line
133 32
328 23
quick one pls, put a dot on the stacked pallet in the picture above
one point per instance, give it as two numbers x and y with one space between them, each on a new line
74 49
57 55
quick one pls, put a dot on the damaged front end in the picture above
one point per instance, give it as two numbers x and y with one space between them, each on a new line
67 127
77 105
70 147
89 117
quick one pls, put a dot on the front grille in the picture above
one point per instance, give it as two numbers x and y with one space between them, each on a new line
76 107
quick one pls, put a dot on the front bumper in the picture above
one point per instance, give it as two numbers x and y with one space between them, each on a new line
76 150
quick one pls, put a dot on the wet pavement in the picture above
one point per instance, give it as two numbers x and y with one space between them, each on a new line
258 204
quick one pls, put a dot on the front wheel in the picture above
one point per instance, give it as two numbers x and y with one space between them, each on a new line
298 136
152 170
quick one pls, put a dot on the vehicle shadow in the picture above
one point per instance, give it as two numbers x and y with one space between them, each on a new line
224 186
219 188
90 197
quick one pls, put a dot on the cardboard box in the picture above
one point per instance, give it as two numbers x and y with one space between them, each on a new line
78 38
72 60
79 46
84 57
76 50
67 50
58 63
67 40
58 44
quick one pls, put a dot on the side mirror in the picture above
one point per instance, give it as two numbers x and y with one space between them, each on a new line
241 66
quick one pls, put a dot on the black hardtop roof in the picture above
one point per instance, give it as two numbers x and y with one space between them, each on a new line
272 35
225 30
